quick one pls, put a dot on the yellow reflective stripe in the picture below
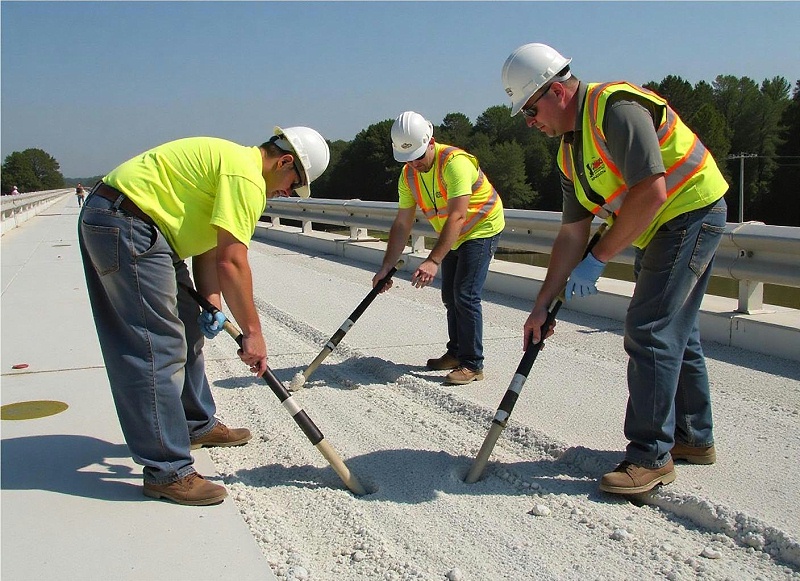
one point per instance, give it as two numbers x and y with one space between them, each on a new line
566 160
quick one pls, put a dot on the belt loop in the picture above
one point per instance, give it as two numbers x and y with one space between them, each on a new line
118 201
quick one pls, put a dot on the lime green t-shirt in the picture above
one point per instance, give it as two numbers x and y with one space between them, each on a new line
190 187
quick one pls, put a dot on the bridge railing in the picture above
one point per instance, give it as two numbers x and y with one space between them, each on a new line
16 209
751 253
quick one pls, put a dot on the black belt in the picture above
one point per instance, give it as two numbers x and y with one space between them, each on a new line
113 194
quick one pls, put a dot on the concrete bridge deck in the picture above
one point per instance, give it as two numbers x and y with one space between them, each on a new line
71 501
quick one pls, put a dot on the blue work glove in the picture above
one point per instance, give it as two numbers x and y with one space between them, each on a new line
210 324
582 281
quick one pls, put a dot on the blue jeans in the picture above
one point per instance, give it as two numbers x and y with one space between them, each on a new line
668 392
149 336
464 273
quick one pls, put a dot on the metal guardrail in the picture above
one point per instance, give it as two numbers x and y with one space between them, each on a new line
751 253
14 210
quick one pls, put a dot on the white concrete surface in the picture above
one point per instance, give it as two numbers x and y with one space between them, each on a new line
72 506
536 514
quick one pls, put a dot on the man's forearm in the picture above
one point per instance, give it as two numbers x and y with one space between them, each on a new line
236 282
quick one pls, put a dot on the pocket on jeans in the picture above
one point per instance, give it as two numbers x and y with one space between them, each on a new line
705 247
102 245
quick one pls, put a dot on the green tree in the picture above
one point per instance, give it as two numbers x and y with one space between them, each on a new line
366 169
322 185
456 129
499 126
753 117
710 127
504 165
678 93
31 170
781 205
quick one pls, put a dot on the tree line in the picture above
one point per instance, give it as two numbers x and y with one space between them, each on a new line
734 117
752 130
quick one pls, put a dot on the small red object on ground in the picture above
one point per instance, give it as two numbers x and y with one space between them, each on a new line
19 366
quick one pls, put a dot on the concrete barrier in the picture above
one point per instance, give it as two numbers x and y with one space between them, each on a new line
775 331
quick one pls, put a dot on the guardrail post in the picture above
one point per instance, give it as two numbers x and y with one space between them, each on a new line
357 233
417 244
276 221
307 229
751 297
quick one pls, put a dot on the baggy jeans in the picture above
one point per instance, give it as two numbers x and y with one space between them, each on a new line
464 272
149 337
668 390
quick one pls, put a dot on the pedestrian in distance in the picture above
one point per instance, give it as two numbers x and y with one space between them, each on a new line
14 191
458 200
199 197
627 157
80 194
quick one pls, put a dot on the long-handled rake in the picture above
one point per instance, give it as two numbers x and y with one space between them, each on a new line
298 414
300 379
509 400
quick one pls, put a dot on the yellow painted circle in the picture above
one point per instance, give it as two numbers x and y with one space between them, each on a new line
30 410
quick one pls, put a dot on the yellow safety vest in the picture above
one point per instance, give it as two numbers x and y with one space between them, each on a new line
484 203
692 177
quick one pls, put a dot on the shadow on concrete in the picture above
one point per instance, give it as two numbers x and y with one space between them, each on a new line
347 374
69 464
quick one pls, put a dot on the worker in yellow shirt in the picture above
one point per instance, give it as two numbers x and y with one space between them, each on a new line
448 186
198 197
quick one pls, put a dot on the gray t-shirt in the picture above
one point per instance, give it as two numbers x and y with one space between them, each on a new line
630 128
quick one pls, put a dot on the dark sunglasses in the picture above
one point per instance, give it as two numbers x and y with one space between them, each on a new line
299 183
532 111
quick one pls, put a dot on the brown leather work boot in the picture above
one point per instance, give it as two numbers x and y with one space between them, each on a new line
446 361
191 490
222 435
629 478
463 375
694 454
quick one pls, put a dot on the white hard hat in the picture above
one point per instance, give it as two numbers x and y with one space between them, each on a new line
411 134
529 68
310 148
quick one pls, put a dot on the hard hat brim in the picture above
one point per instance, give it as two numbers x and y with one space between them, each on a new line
303 191
405 156
301 156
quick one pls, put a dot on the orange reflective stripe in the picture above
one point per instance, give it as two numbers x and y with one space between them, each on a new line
667 128
413 180
682 170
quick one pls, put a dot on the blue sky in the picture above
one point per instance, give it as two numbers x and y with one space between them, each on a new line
95 83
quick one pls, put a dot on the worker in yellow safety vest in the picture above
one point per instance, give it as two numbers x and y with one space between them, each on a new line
456 197
627 157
